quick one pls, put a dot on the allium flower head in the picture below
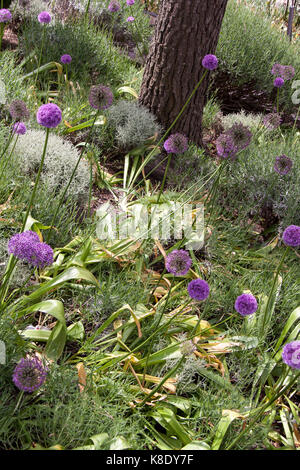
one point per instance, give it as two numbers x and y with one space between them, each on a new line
291 236
18 110
130 2
100 97
130 19
27 246
210 62
114 6
288 72
278 82
49 115
29 374
198 289
225 146
246 304
272 121
176 143
66 59
291 354
44 17
5 15
241 135
283 165
178 262
19 128
277 70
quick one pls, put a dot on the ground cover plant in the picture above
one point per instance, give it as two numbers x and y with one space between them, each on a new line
126 324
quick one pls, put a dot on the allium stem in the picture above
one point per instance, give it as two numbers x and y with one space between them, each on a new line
164 178
40 58
266 312
72 175
150 155
261 411
36 180
87 10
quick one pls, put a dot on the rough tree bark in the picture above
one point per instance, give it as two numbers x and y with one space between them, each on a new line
186 30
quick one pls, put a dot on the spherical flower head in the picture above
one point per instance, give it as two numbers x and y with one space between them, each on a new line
42 255
66 59
246 304
283 165
19 128
288 72
18 110
225 146
210 62
27 247
272 121
176 143
291 236
114 6
49 115
291 354
20 245
198 289
130 19
278 82
130 2
241 135
44 17
5 15
178 262
277 70
29 374
100 97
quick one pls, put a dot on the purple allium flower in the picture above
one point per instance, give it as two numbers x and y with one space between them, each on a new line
66 59
130 19
272 121
178 262
114 6
288 72
19 128
49 115
176 143
44 17
291 236
29 374
283 165
277 70
210 62
291 354
100 97
278 82
5 15
130 2
18 110
225 146
246 304
27 246
241 135
198 289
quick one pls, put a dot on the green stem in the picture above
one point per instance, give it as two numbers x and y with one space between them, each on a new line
150 155
272 289
8 158
261 411
72 176
40 58
164 178
1 33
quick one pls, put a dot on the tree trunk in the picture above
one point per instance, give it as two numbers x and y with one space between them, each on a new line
186 30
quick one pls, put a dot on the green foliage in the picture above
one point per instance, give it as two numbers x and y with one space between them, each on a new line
60 160
132 124
249 46
253 121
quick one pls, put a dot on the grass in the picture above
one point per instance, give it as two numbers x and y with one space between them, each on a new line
114 326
